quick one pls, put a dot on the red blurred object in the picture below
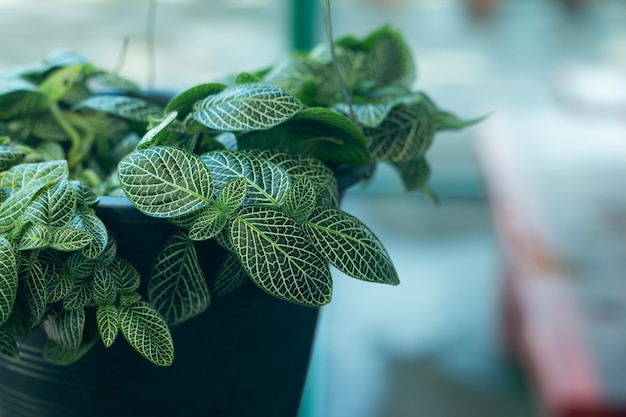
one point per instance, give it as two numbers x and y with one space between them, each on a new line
544 327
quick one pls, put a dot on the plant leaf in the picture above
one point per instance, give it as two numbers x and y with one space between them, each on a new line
165 182
324 134
61 289
34 176
414 174
183 102
8 279
130 108
276 254
9 156
107 317
146 331
59 355
78 266
105 284
246 107
153 134
61 81
65 328
232 195
84 195
405 135
78 297
67 239
267 183
177 288
208 224
230 277
8 346
53 206
86 220
368 115
128 278
36 236
389 60
301 200
12 209
34 290
350 246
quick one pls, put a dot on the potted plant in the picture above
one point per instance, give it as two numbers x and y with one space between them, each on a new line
191 222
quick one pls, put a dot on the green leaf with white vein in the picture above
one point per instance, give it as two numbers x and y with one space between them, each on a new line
128 278
405 135
276 254
36 236
230 277
245 107
8 346
368 115
177 288
350 246
60 355
12 209
34 290
34 175
9 156
107 317
105 284
209 223
78 297
65 327
61 289
8 279
300 200
66 239
130 108
52 206
153 134
165 182
232 195
267 183
146 331
85 219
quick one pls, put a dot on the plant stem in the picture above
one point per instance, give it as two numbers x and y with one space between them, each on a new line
73 156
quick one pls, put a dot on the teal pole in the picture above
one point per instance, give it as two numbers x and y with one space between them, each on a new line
303 23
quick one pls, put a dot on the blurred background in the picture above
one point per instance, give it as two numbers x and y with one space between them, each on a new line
551 73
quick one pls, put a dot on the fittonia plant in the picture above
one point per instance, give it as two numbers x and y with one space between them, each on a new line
252 164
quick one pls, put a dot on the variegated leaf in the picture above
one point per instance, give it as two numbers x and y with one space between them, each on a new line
84 195
389 61
67 239
78 266
34 290
60 82
267 183
130 108
86 220
301 200
278 257
8 346
128 278
177 288
183 103
350 246
52 206
65 328
208 224
34 175
414 174
78 297
105 284
153 134
9 156
165 182
146 331
107 317
60 355
12 209
245 107
368 115
36 236
61 289
232 195
405 135
230 277
8 279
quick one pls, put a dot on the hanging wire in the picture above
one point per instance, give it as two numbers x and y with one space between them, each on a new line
325 4
150 43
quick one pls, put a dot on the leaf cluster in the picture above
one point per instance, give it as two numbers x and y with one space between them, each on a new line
251 163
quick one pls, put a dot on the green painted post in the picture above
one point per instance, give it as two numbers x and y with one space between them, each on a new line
303 23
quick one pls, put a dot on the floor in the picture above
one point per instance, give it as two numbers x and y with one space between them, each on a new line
430 347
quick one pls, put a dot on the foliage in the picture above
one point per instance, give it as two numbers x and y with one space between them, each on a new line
250 164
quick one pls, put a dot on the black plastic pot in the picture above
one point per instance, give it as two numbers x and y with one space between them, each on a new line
247 355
